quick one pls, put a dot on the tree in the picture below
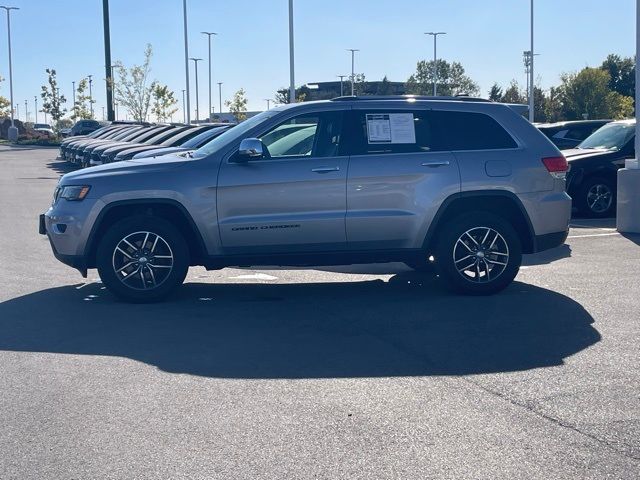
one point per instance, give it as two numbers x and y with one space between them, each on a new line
622 72
451 79
238 105
80 109
282 95
385 87
514 94
5 104
132 89
164 102
52 101
587 95
495 94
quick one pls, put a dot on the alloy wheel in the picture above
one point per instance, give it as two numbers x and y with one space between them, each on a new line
481 255
599 198
142 260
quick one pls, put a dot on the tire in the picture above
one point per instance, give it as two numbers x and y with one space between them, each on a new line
596 198
155 271
483 241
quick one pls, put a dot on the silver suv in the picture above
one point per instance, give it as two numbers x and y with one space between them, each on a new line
462 184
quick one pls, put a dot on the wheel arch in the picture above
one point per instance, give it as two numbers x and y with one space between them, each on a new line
168 209
500 202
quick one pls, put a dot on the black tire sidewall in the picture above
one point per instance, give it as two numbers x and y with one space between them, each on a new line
583 204
121 229
449 235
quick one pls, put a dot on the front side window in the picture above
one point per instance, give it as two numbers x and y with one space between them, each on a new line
308 135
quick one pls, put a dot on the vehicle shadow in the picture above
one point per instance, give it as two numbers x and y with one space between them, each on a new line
408 326
62 166
634 237
547 256
586 222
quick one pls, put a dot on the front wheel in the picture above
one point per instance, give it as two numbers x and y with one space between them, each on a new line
478 253
142 259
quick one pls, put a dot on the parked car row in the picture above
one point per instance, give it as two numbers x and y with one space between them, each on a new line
118 142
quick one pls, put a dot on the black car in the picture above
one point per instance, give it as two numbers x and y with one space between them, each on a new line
84 127
593 166
566 135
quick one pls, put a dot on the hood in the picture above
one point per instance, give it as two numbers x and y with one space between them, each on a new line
582 153
127 167
159 152
138 148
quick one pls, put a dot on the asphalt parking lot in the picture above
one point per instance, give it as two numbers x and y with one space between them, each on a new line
345 372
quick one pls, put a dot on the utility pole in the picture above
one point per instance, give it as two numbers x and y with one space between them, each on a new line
531 77
26 111
108 69
184 113
35 103
195 62
186 59
90 96
220 95
268 100
75 113
435 60
208 34
12 133
292 76
341 77
353 73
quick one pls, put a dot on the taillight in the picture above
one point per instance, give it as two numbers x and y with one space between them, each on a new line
557 166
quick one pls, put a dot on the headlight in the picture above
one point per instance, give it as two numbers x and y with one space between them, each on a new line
73 192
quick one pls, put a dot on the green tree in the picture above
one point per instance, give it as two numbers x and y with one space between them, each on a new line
80 109
238 105
282 95
385 87
622 73
133 89
514 94
164 102
451 78
5 104
587 95
52 101
495 94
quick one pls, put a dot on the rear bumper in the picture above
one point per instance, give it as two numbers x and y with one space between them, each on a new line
549 240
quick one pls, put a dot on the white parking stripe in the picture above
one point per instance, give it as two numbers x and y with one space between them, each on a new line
594 235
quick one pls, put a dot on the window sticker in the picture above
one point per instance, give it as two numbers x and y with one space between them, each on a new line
391 128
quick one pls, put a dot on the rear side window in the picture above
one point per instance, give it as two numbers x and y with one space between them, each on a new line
380 132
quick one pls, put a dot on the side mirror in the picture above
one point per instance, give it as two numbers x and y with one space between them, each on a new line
250 149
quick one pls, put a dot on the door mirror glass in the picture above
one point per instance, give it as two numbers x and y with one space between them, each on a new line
250 149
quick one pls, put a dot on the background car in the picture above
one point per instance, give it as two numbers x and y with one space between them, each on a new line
84 127
44 128
192 144
566 135
592 178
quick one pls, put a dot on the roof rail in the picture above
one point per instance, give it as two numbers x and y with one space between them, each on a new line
459 98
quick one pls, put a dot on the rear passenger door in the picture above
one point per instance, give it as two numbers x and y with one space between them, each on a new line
399 174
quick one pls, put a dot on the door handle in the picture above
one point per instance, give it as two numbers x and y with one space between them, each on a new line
436 163
325 169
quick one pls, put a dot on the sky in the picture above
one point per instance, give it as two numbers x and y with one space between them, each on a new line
251 50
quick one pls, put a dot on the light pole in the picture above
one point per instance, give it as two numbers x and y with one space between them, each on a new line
341 77
108 68
531 77
75 113
220 95
26 111
18 111
12 133
208 34
186 59
35 104
435 60
90 95
102 113
353 74
292 76
268 100
184 113
115 108
195 62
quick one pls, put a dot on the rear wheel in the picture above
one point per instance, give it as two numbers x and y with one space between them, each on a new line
478 253
142 259
597 198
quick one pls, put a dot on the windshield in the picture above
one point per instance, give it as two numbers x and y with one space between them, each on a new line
200 139
613 136
233 133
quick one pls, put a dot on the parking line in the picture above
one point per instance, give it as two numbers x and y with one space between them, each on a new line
594 235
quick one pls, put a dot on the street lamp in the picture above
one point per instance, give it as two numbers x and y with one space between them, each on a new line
292 79
35 103
208 34
75 112
353 75
90 95
186 59
341 77
184 113
12 133
220 95
26 111
195 62
268 100
435 60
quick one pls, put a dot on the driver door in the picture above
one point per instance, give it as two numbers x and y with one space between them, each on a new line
294 198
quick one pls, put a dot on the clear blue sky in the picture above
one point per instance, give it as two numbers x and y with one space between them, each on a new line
251 51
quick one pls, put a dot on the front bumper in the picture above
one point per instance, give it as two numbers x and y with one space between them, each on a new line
75 261
549 240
